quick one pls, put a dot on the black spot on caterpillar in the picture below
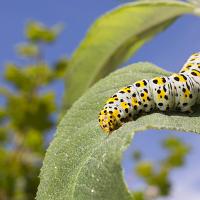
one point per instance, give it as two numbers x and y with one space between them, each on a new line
179 91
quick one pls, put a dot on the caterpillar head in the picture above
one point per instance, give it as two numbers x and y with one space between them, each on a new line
107 121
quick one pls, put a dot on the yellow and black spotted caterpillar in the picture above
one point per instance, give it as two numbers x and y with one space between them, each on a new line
179 91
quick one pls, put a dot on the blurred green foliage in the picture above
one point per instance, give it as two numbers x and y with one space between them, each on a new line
156 175
37 32
27 116
28 50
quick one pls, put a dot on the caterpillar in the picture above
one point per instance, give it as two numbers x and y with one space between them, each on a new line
180 91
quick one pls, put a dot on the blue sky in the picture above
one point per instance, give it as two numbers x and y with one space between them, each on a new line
169 50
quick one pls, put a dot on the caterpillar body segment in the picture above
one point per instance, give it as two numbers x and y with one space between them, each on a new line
180 91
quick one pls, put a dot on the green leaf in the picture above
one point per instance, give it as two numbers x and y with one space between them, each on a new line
31 112
29 78
28 50
114 38
60 67
2 114
82 162
37 32
144 169
173 143
137 155
3 134
138 195
177 149
33 140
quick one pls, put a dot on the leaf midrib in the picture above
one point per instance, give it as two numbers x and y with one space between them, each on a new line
83 162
